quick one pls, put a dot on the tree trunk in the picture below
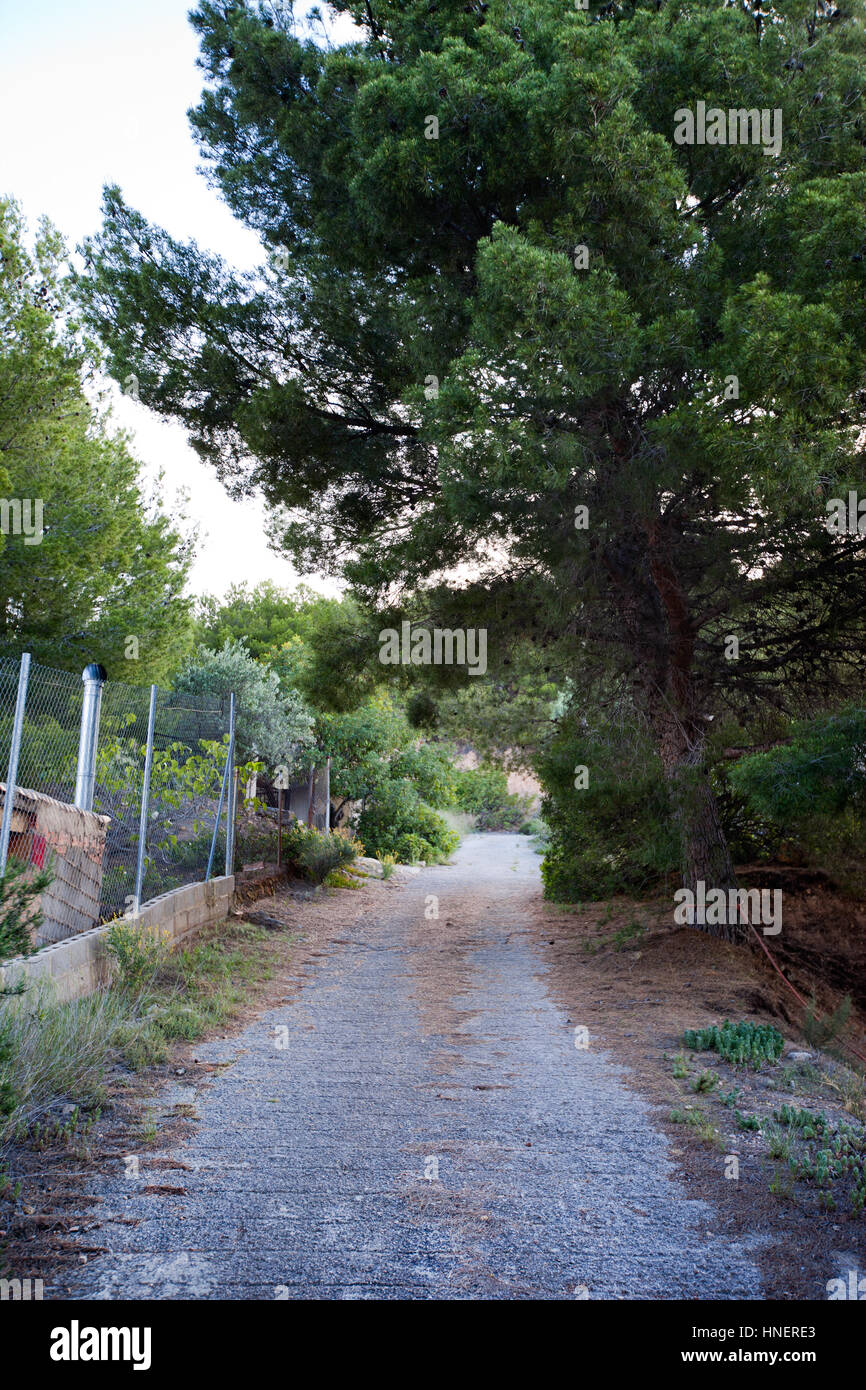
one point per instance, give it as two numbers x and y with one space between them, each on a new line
658 619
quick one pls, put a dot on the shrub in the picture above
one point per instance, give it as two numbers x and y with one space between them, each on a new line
813 790
818 1031
618 834
51 1051
396 821
138 951
483 791
273 722
19 886
316 854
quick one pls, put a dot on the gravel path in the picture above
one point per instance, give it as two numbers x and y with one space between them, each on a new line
429 1130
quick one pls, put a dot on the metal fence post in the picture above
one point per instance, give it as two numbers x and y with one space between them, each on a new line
14 750
145 801
85 779
312 793
328 797
230 863
231 810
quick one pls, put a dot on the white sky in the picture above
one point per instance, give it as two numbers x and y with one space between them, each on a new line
96 91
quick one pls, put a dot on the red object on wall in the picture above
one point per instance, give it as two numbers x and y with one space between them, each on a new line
37 853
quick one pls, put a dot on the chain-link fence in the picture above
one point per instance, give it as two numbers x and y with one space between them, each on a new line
190 738
80 748
48 758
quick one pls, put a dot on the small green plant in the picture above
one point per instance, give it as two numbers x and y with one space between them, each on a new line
389 863
782 1187
705 1081
339 878
139 952
779 1144
812 1126
746 1121
741 1044
628 935
20 887
316 854
698 1121
681 1067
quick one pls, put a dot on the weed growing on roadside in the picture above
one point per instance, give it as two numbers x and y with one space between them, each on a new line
741 1044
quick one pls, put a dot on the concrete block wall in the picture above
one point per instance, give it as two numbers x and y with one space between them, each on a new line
80 964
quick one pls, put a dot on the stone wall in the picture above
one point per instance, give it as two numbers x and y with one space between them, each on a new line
79 965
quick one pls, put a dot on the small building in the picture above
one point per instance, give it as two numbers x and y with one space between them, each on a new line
70 843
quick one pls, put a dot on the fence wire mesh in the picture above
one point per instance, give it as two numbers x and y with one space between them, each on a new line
94 856
49 747
189 754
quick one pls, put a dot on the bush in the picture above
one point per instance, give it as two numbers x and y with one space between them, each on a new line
813 791
396 821
19 886
273 722
139 952
483 791
316 854
617 835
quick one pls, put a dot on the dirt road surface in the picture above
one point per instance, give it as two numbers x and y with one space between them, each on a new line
417 1119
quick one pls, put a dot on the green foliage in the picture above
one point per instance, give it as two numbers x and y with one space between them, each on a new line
812 1126
614 836
628 936
813 790
139 952
362 744
378 759
397 822
316 854
110 563
741 1044
323 647
430 770
19 917
273 722
483 792
818 1153
748 1122
560 383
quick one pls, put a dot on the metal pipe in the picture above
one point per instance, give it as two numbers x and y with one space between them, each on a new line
279 827
145 801
216 824
328 797
14 750
93 677
312 790
233 804
230 860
